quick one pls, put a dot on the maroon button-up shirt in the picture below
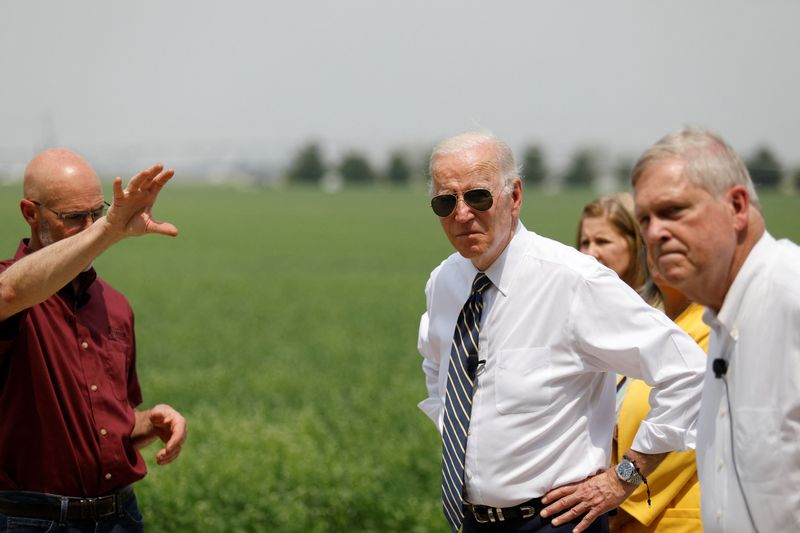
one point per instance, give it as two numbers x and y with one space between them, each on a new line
68 388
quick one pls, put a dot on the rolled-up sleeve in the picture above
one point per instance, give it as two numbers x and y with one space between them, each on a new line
619 332
432 405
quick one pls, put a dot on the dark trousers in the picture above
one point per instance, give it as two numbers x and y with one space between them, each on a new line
527 525
127 520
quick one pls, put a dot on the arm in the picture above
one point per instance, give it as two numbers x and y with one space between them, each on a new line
431 405
595 495
38 276
617 331
160 422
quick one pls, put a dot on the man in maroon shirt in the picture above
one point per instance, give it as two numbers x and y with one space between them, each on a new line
69 424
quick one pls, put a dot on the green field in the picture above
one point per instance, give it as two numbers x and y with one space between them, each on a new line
282 323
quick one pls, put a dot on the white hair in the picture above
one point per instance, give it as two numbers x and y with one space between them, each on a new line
708 161
463 142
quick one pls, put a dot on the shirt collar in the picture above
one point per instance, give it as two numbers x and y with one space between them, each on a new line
23 249
501 272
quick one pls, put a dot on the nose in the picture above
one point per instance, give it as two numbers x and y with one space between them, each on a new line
656 231
85 222
593 250
462 211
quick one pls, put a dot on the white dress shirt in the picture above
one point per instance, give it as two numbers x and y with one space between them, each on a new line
556 326
757 331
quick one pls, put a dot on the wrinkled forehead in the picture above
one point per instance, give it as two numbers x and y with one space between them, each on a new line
478 167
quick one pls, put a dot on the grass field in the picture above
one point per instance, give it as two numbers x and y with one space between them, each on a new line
283 325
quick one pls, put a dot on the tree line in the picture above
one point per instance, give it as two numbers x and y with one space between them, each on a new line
586 168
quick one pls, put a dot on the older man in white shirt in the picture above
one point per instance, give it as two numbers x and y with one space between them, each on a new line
707 236
521 377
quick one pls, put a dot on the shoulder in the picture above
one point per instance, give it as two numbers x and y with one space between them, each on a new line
454 263
6 263
555 257
110 295
781 272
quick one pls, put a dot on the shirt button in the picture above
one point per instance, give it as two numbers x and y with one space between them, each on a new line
720 465
103 432
722 413
84 345
94 388
108 476
719 515
735 334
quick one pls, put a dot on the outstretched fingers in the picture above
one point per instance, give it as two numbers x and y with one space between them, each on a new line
161 228
161 179
142 179
117 188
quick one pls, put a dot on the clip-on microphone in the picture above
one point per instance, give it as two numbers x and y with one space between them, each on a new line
473 362
720 367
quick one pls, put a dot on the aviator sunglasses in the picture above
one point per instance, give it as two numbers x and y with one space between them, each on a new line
478 199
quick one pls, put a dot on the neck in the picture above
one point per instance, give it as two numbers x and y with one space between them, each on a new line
746 241
483 262
675 302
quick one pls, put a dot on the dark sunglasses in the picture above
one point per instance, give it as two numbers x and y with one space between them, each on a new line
478 199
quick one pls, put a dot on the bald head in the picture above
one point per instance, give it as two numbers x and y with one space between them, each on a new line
58 174
58 181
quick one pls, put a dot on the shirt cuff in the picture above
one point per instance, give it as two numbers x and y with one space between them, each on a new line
660 438
432 408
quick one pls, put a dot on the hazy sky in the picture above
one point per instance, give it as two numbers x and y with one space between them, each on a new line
225 79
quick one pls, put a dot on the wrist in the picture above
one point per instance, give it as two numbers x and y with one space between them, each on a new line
628 472
111 233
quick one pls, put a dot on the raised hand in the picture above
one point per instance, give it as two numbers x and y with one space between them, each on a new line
131 209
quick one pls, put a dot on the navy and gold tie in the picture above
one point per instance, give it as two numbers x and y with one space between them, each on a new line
458 403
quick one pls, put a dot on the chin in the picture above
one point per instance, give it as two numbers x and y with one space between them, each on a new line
674 276
471 252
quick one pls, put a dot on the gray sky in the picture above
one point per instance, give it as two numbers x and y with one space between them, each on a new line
201 80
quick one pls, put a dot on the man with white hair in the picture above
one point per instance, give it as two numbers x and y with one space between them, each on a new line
707 237
521 338
70 428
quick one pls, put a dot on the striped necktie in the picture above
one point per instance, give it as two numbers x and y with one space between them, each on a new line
458 403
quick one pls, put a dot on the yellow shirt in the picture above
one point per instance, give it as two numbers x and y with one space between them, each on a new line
674 488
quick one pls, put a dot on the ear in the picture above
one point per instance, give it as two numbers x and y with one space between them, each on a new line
516 197
738 199
29 211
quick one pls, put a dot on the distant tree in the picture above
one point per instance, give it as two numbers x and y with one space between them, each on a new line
534 170
622 172
355 168
582 169
764 168
795 183
398 171
307 166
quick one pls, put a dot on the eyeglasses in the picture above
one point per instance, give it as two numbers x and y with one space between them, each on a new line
478 199
76 218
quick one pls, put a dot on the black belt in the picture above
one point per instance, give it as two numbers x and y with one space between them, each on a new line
484 514
76 508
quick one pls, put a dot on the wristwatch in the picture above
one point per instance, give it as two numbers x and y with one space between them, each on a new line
628 472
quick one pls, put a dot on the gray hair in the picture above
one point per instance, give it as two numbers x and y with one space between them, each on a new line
708 161
509 171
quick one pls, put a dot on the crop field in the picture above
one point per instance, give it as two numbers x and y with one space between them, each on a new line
282 324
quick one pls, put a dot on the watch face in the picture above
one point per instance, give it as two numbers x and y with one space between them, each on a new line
625 470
